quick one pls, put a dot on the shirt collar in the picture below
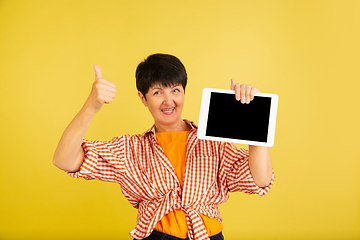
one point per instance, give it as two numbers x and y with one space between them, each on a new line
151 131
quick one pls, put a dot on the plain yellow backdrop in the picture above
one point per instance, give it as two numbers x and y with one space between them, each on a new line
307 52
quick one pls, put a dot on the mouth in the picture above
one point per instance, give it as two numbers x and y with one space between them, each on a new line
168 110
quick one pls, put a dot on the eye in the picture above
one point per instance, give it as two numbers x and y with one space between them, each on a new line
176 90
157 93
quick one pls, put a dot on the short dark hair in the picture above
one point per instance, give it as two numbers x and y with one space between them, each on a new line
164 69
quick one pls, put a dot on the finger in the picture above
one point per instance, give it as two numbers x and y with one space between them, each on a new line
98 73
111 89
109 83
106 97
110 94
103 83
242 93
233 83
247 94
107 93
237 92
253 91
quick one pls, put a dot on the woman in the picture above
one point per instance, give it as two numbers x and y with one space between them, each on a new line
175 180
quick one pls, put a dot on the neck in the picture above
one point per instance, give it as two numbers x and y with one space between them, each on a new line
179 126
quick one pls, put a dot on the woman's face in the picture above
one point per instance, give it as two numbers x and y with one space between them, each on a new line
165 105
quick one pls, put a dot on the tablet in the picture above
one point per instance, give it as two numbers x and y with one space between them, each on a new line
223 118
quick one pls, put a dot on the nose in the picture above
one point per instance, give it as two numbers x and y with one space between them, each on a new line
167 100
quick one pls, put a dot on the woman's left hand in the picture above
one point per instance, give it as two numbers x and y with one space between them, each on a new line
243 92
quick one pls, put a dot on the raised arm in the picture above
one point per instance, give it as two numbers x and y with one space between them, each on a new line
69 154
259 157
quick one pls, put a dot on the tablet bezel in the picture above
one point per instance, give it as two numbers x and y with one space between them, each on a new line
204 112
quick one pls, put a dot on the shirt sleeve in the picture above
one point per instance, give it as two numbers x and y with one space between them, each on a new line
238 175
103 160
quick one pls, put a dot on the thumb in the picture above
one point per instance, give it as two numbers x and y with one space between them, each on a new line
98 73
233 83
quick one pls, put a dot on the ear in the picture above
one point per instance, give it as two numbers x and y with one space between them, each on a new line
143 100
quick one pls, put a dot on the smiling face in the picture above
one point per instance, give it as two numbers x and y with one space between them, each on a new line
165 105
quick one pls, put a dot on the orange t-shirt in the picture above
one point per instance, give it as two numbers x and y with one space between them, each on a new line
174 223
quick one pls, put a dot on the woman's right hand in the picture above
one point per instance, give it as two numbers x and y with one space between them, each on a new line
69 154
103 91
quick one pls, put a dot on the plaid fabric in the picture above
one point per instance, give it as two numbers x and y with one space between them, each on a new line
149 182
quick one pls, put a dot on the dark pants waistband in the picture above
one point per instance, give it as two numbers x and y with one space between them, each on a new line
155 235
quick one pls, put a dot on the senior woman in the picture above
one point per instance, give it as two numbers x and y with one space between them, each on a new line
175 180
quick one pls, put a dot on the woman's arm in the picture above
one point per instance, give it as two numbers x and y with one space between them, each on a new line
260 165
259 157
69 154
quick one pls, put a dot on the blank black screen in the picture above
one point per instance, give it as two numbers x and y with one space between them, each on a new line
230 118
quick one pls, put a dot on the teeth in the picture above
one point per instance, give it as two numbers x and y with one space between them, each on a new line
168 110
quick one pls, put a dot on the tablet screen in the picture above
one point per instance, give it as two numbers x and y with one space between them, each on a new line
229 118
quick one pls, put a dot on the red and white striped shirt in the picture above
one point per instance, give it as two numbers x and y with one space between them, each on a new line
149 182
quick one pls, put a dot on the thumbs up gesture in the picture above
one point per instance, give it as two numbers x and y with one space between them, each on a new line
103 91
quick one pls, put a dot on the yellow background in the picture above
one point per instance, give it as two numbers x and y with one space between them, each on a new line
305 51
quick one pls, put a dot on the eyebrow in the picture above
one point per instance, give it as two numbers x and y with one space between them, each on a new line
161 87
